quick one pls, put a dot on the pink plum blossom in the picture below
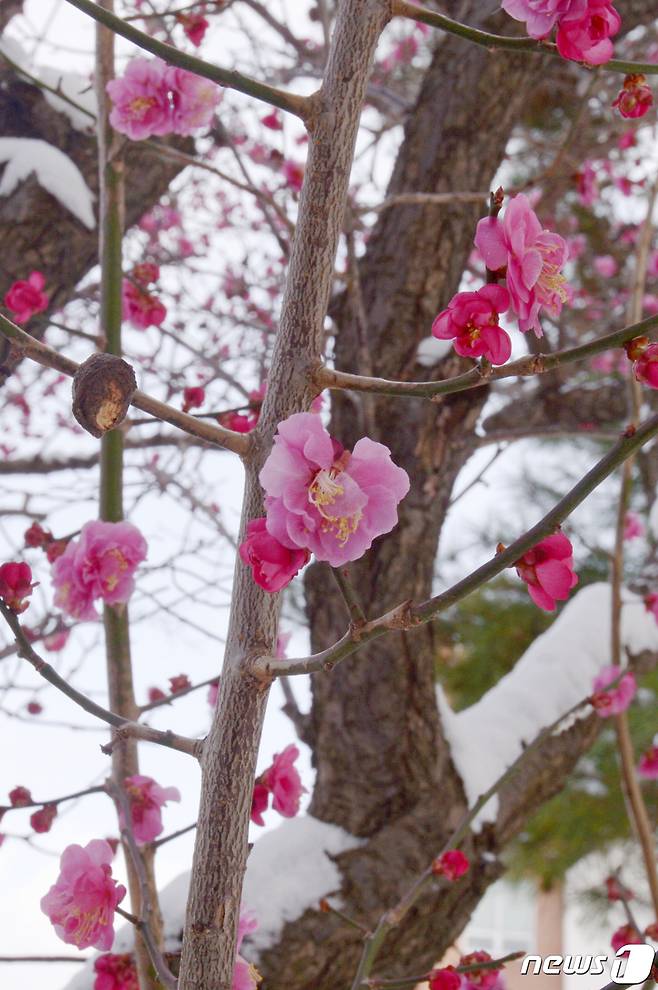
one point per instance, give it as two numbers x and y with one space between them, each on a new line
532 258
648 765
115 972
273 564
635 98
82 902
633 526
146 799
259 803
16 585
480 979
141 307
472 320
245 975
322 498
99 564
540 16
284 782
56 641
141 100
585 36
193 397
615 700
26 297
605 265
194 100
547 569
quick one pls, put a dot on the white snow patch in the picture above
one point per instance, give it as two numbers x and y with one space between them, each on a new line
54 170
289 870
14 52
553 675
431 349
78 89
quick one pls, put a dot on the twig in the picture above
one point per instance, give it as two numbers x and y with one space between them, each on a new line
349 596
143 924
402 8
408 615
239 443
123 726
101 789
476 377
230 78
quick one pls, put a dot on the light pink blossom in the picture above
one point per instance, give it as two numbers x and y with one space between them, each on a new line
146 799
605 265
613 700
471 319
648 765
540 16
26 297
532 258
194 100
141 105
101 563
585 37
547 569
245 975
324 499
82 902
273 564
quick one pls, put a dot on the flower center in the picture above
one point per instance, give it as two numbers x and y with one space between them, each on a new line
323 491
140 105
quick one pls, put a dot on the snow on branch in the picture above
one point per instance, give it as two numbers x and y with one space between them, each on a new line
554 673
54 171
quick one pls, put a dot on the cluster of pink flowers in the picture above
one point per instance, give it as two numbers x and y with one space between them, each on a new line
282 781
635 98
531 259
115 972
584 27
26 297
82 902
608 700
146 799
320 499
139 306
152 98
16 585
101 563
548 571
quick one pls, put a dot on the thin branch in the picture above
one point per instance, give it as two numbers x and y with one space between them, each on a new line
143 924
413 981
533 364
101 789
402 8
407 615
239 443
123 726
230 78
349 595
43 959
